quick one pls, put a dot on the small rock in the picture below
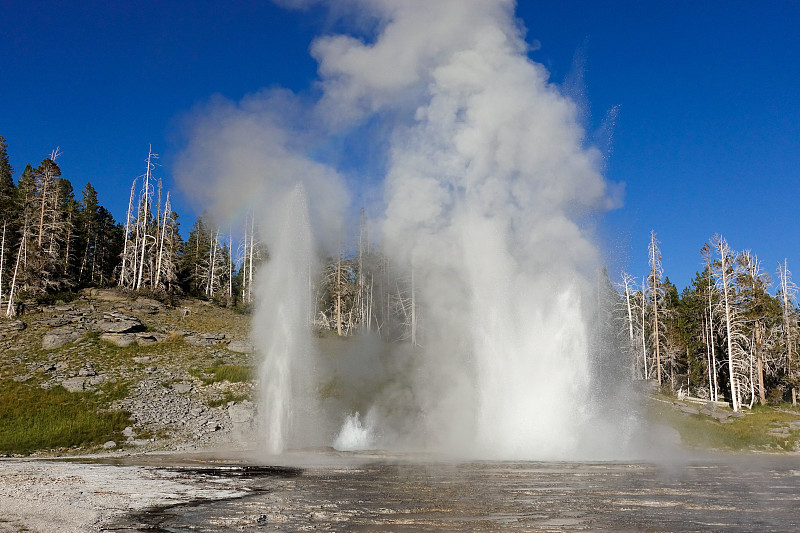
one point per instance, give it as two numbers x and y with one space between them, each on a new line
182 388
110 444
128 432
96 380
74 384
87 371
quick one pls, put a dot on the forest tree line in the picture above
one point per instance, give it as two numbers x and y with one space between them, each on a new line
730 336
725 337
55 242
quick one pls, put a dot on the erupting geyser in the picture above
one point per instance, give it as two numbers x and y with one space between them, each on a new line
486 181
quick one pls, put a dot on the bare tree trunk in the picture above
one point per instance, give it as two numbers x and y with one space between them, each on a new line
711 342
2 262
127 238
339 295
627 279
244 264
250 270
413 310
69 236
644 330
10 311
762 399
723 249
655 273
143 216
706 339
163 237
230 267
787 292
212 255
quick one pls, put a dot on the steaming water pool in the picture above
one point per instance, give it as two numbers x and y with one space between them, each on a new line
735 494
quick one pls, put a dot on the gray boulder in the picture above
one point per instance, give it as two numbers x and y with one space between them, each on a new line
59 337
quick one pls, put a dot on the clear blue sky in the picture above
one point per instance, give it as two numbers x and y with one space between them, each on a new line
707 138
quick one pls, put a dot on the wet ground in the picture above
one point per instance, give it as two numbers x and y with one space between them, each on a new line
391 494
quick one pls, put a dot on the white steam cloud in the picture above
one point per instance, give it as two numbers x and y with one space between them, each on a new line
486 178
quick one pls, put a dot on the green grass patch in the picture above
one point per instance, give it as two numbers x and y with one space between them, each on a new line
748 433
224 372
34 419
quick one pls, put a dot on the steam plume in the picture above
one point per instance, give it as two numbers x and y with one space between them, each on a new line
486 180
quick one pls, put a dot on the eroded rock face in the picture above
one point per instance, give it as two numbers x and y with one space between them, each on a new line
62 336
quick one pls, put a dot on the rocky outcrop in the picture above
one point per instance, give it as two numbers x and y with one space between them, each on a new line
86 380
178 410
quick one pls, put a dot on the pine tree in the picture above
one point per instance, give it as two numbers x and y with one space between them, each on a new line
7 188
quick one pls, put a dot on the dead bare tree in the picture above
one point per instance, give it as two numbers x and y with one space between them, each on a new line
725 273
2 261
656 272
788 291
